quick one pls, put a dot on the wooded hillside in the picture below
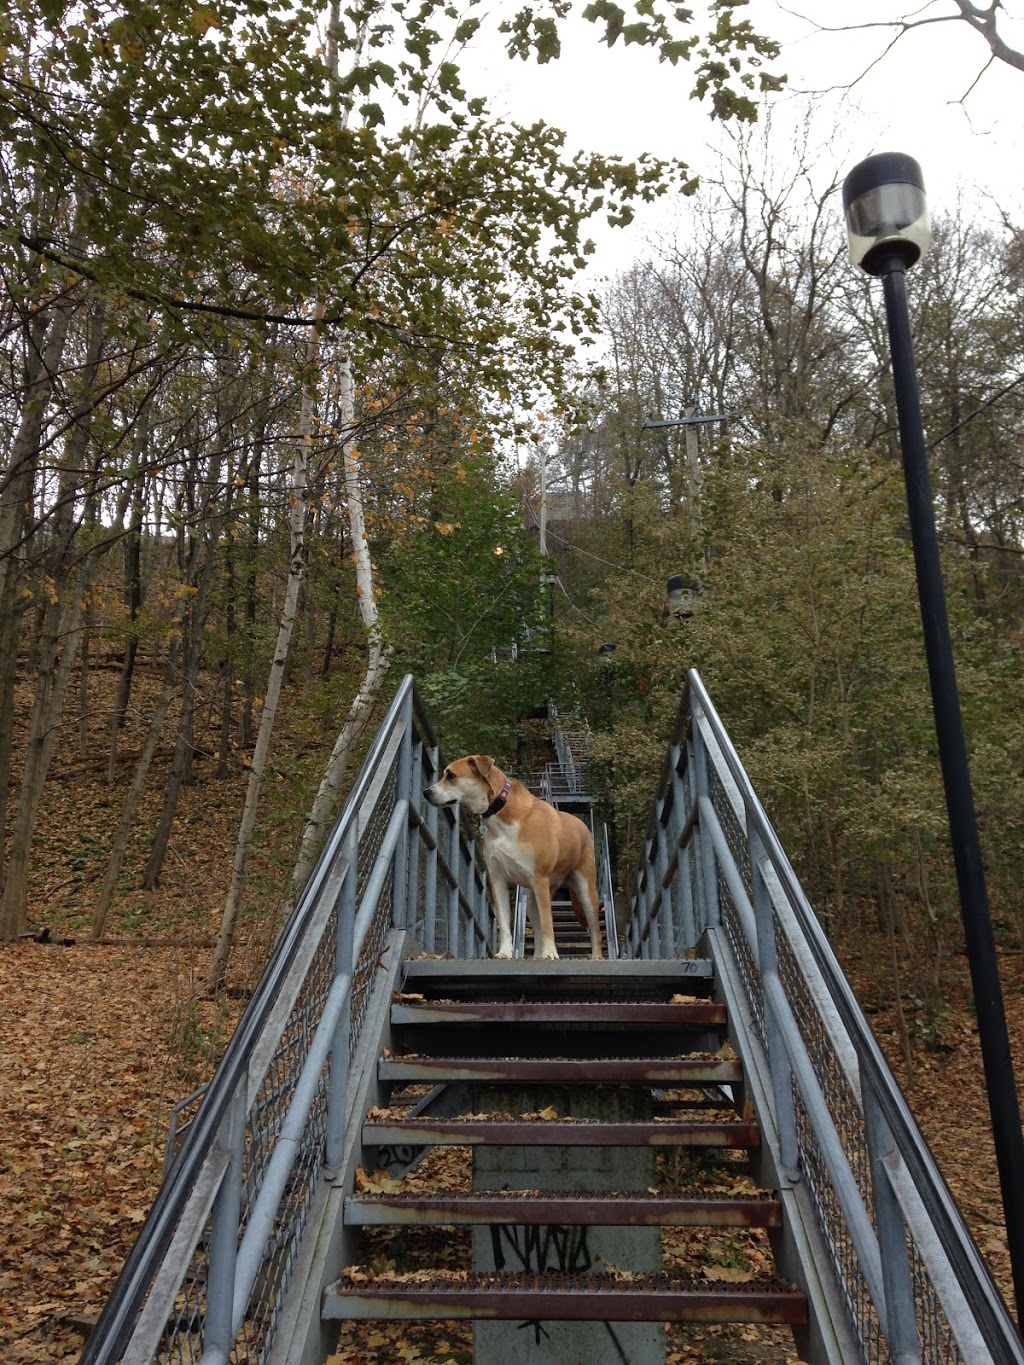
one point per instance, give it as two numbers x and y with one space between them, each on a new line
293 333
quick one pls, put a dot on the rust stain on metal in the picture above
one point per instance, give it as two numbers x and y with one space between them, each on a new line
539 1133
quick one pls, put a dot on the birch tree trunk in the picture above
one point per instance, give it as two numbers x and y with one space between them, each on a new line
378 660
219 962
296 567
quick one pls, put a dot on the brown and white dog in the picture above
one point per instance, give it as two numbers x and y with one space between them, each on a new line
526 842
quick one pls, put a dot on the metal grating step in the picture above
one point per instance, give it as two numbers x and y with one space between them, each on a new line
576 1298
564 1070
551 1207
615 979
563 1013
475 1132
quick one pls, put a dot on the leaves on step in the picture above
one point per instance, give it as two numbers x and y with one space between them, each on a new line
377 1182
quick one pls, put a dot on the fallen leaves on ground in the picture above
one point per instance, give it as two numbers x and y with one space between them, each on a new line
87 1077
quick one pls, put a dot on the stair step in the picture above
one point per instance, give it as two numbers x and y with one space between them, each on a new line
564 1209
620 977
564 1070
556 1012
555 1133
576 1298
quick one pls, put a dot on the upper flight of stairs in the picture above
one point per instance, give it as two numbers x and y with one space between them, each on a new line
553 1067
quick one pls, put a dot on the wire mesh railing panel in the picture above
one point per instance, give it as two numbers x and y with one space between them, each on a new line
938 1344
237 1199
733 827
181 1343
832 1221
371 957
806 1021
746 962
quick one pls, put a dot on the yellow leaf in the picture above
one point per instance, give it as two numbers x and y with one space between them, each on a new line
203 18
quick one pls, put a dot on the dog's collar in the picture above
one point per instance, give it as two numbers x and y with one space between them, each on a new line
499 801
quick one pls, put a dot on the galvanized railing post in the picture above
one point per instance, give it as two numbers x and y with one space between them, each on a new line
430 871
454 851
403 788
666 927
676 855
416 804
344 965
645 926
778 1056
218 1333
707 879
897 1279
483 915
654 870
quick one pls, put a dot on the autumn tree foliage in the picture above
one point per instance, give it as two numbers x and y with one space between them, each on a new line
791 528
211 214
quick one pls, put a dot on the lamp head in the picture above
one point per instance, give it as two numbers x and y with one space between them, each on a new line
886 211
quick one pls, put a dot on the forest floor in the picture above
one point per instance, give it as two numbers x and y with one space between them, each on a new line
100 1040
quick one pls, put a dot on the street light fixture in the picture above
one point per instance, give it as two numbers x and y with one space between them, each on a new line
887 225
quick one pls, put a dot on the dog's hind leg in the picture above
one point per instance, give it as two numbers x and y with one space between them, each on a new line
583 894
499 899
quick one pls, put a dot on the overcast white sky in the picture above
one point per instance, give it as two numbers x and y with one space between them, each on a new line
623 101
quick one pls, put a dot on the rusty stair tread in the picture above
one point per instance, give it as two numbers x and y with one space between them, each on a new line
574 1297
554 1133
610 971
708 1069
555 1012
624 1208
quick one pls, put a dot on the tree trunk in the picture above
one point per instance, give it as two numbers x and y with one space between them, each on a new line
887 916
227 663
83 683
46 338
124 829
378 662
183 742
217 973
245 723
58 646
132 594
51 687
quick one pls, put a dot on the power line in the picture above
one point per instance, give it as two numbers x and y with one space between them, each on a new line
578 549
987 404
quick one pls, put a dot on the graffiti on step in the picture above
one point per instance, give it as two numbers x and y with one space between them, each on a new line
538 1248
549 1246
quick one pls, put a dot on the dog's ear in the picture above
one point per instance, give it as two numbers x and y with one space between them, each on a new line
481 764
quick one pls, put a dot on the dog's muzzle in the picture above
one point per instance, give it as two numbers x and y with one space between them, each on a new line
437 798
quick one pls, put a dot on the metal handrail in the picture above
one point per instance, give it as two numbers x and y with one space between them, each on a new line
606 894
712 863
366 880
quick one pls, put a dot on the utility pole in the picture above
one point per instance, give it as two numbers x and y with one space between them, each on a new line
544 502
692 420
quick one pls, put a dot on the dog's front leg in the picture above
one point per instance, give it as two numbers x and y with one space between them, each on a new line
543 929
499 899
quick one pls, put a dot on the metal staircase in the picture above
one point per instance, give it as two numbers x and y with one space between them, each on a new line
564 1060
381 1035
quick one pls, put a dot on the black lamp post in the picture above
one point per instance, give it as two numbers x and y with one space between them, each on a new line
887 224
